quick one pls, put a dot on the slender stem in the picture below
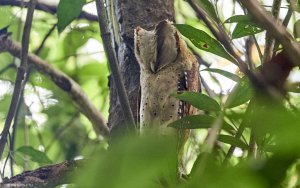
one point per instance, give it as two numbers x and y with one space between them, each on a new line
252 152
241 129
38 50
113 62
258 49
7 67
211 139
284 23
20 83
270 41
14 126
238 135
51 9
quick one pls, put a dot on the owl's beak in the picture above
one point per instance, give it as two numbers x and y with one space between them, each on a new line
153 67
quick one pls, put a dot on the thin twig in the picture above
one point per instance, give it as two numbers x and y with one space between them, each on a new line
214 133
208 90
211 139
292 48
252 151
38 50
284 23
6 68
113 62
60 131
51 9
258 49
270 41
240 130
20 84
248 49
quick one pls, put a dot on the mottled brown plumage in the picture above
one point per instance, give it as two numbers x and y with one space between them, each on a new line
165 62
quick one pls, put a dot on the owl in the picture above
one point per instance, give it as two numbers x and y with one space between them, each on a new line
167 66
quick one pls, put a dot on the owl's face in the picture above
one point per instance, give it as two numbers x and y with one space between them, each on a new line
145 47
159 48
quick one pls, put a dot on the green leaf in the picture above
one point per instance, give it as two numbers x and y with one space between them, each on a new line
145 160
245 29
296 29
198 100
224 73
239 19
232 141
35 155
193 122
245 26
209 8
198 122
295 88
67 11
203 41
240 94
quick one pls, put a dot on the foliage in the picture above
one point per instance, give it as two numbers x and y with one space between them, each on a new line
203 41
67 11
48 125
134 162
257 144
245 26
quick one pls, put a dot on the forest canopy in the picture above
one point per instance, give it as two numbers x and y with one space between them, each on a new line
69 120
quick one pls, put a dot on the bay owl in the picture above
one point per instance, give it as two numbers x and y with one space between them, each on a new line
167 66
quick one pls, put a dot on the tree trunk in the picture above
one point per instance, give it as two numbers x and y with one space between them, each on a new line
125 15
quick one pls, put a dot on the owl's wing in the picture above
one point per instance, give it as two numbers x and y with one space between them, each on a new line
189 82
192 79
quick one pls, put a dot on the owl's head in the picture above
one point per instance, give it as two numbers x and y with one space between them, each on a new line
160 47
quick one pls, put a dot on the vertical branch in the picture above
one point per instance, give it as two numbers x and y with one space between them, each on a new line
270 41
112 59
20 82
285 22
14 126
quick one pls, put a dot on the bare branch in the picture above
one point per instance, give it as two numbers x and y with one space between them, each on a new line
20 81
39 49
80 99
47 176
46 8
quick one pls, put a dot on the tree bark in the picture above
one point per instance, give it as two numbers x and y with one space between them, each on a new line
128 14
